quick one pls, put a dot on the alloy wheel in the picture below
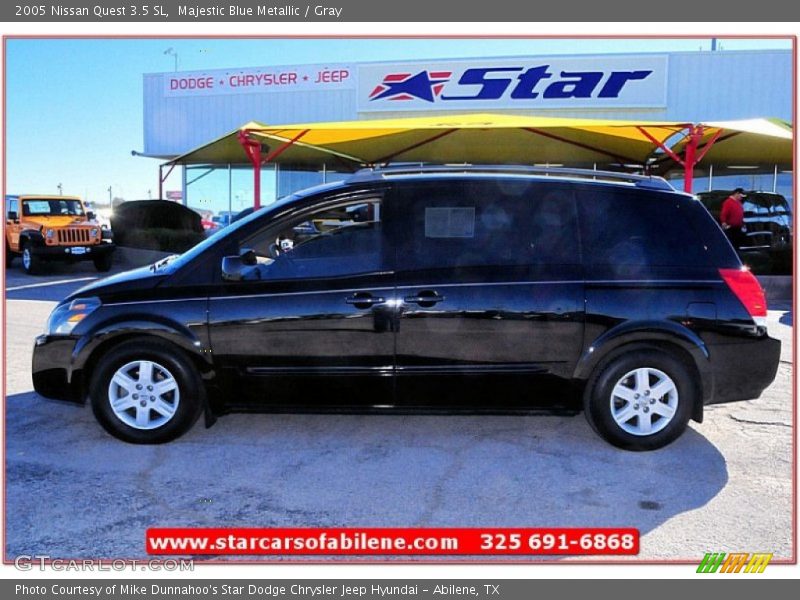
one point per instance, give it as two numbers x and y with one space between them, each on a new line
143 394
644 401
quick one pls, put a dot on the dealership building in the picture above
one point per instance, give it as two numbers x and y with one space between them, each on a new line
185 110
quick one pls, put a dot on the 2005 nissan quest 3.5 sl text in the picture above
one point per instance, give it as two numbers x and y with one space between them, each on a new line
476 289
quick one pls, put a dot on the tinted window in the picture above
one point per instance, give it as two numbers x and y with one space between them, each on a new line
344 239
11 206
755 207
505 222
641 229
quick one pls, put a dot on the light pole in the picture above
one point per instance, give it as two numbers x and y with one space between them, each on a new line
60 190
109 195
171 52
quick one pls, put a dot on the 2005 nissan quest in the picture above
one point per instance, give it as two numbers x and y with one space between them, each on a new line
477 289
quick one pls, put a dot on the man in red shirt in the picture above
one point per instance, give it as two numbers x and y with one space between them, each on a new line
731 217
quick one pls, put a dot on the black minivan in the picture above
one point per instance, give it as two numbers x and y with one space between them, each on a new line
458 289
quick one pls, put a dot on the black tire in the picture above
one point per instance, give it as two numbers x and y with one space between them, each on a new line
189 386
9 257
597 400
31 263
103 262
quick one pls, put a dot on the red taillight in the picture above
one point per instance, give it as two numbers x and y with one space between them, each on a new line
747 289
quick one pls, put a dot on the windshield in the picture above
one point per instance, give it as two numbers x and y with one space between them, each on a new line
51 207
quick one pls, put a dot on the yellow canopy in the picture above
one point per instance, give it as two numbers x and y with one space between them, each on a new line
493 139
747 142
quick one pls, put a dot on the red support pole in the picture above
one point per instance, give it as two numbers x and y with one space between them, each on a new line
253 151
690 156
257 185
667 150
276 153
704 150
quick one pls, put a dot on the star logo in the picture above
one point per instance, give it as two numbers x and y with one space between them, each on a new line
405 86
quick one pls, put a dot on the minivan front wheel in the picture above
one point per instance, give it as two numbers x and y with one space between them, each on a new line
641 400
146 392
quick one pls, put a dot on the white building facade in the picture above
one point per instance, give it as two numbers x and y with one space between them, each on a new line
183 110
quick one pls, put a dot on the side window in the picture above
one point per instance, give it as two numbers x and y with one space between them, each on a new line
335 240
504 222
781 206
12 206
638 229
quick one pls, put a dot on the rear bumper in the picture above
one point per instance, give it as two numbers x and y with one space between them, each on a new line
70 253
52 372
743 370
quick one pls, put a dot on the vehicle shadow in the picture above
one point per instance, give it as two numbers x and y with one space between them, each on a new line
74 491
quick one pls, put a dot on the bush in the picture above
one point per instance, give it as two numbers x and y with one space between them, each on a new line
159 238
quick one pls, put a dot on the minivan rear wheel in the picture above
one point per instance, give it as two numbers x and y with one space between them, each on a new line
146 392
641 400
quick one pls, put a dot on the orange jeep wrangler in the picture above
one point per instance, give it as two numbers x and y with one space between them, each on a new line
41 228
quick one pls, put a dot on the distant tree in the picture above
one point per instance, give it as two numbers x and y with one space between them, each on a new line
116 201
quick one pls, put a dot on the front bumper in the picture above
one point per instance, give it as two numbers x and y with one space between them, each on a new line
743 370
73 253
53 376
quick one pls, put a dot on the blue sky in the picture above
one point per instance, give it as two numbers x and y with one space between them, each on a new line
74 106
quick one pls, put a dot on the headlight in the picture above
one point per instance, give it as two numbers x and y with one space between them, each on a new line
50 233
94 232
66 316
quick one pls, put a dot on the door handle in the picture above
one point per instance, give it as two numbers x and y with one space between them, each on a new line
426 298
364 300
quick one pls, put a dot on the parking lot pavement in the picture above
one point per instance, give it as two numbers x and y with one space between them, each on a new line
73 491
55 282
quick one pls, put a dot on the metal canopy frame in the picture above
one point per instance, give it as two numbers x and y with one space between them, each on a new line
689 156
259 155
693 153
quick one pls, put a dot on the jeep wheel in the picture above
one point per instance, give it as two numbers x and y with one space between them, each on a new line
103 262
9 257
31 263
146 392
641 400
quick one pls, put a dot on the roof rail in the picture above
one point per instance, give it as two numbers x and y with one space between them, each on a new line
644 181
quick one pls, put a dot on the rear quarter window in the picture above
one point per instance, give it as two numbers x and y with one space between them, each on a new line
639 229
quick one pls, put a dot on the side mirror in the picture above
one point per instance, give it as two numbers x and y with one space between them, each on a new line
12 216
91 216
237 267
